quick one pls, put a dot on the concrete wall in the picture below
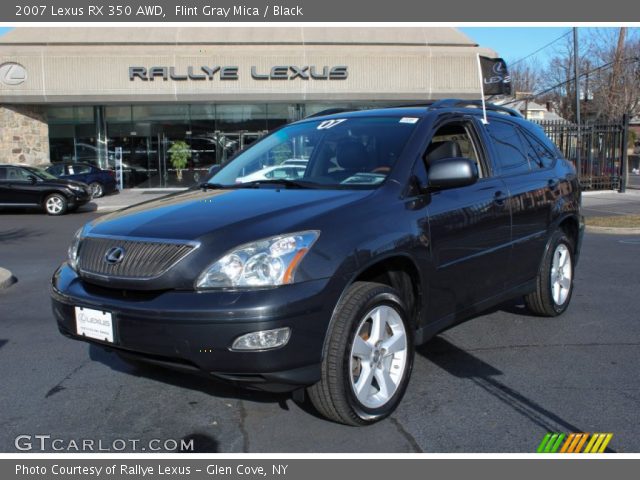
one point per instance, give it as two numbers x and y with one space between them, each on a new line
24 136
91 65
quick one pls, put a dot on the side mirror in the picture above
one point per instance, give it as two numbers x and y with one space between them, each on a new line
32 179
452 173
214 169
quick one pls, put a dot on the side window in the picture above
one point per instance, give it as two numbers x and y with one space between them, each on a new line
510 151
17 174
452 141
543 157
82 169
3 173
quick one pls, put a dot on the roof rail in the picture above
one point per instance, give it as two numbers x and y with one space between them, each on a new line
457 103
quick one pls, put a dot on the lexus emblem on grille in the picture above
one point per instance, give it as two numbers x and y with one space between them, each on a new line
114 255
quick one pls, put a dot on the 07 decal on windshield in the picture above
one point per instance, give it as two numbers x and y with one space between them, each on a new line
330 123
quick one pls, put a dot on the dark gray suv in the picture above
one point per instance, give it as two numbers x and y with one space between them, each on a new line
405 222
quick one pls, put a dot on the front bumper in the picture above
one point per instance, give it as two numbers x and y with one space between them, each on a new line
77 199
194 330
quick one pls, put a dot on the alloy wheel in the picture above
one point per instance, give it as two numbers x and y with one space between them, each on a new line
378 357
561 274
54 205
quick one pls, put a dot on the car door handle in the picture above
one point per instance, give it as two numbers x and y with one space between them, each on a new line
499 198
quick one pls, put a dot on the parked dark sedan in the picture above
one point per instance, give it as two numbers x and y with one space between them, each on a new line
25 186
405 222
102 182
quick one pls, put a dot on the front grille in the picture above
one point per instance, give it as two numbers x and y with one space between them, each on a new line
141 259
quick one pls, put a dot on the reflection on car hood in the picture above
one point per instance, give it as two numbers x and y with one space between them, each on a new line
194 214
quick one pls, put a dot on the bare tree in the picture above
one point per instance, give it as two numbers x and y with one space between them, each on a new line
615 88
526 77
609 65
559 81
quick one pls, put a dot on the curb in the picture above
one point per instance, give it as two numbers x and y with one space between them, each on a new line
613 230
104 208
6 278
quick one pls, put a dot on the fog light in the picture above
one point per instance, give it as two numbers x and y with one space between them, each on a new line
263 339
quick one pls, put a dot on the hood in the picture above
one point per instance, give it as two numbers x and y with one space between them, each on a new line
196 214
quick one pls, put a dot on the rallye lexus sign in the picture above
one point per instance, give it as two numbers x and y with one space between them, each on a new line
204 72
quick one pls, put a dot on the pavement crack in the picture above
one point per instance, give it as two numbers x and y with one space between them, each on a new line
243 426
57 388
407 436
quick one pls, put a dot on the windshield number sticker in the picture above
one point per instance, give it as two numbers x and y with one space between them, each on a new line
409 120
330 123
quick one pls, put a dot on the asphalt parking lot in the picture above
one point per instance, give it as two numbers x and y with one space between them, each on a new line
495 384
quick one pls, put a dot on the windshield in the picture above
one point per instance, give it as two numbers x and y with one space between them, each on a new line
337 153
43 174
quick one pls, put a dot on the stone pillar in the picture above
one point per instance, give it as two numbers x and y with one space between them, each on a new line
24 134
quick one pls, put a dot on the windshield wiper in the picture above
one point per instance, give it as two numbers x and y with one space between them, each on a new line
281 181
215 186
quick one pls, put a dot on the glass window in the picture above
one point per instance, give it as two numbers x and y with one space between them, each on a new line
56 170
18 174
70 130
511 158
241 117
79 169
348 152
451 141
538 154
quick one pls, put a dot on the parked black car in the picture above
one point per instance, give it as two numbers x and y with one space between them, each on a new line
25 186
406 222
101 182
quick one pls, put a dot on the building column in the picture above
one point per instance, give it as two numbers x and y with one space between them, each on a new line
101 136
24 136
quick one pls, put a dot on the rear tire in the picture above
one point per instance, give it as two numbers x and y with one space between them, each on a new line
97 190
56 204
367 357
554 283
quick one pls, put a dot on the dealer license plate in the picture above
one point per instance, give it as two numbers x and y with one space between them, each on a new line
94 324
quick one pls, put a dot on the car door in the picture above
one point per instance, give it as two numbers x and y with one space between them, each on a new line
470 227
20 190
530 199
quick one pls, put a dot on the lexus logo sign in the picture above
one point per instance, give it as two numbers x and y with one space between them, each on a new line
12 74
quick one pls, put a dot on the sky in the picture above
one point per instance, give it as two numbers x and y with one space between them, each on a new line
514 43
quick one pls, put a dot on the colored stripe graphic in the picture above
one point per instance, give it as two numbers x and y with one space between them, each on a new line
555 442
551 442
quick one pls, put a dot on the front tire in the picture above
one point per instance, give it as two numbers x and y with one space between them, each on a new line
367 358
56 204
554 283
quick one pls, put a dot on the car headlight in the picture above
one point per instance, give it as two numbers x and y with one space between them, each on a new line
75 188
74 249
266 263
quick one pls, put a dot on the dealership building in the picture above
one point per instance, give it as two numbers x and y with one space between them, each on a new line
88 94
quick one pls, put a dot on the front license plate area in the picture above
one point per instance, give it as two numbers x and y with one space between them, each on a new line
94 324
